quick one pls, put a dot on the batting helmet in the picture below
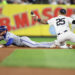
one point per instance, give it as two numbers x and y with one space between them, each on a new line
3 28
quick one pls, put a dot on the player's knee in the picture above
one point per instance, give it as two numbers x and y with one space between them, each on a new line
57 43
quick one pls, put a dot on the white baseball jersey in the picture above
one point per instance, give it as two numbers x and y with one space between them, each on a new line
73 25
73 16
61 23
16 38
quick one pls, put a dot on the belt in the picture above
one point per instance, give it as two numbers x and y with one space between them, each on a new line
61 33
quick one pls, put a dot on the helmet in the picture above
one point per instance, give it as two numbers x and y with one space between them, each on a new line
3 28
62 11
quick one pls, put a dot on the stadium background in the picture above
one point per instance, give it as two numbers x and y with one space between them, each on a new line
19 20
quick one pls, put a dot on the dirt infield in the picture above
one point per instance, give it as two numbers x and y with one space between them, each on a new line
34 71
4 52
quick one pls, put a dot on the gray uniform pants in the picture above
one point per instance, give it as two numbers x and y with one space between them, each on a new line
26 41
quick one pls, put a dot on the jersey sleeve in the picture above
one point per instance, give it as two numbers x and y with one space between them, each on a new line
10 41
73 17
9 35
50 21
69 20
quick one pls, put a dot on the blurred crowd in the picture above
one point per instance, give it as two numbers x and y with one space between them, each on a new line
54 2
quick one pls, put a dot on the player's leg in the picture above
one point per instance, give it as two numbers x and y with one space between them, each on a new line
73 27
61 44
64 45
27 41
61 40
47 44
69 36
72 37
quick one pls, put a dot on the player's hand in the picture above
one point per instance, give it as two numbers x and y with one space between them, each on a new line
1 46
32 14
35 17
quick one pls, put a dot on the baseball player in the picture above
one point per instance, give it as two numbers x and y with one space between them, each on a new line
24 41
73 17
61 24
12 39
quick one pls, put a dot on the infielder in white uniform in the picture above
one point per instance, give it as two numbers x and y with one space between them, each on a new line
61 24
73 17
12 39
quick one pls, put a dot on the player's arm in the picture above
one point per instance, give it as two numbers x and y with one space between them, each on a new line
10 41
71 21
42 21
37 19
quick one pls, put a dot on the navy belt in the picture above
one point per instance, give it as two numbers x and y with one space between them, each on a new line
65 30
61 33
